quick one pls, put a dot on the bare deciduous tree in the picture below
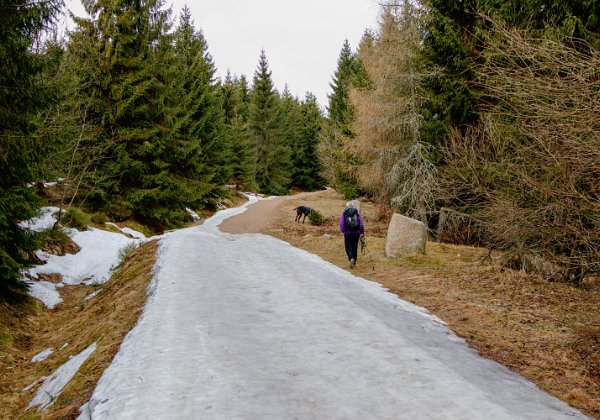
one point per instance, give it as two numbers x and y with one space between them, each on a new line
533 165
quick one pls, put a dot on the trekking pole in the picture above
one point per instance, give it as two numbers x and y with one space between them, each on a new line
363 249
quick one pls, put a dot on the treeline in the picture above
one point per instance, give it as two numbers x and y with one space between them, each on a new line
480 118
127 112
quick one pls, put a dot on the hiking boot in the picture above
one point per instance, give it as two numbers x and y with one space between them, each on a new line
352 263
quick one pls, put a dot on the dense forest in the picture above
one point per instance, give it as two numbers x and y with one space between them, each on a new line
128 115
478 117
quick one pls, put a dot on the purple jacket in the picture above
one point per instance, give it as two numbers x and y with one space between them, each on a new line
361 230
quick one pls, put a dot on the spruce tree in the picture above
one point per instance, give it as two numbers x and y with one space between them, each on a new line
340 108
272 154
202 152
22 95
290 117
129 99
307 168
235 107
337 160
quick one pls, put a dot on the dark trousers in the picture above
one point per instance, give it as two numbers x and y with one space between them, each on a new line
351 244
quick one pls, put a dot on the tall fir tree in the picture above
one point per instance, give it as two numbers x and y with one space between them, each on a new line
290 117
307 168
272 154
22 95
340 108
338 164
128 41
394 167
235 107
202 149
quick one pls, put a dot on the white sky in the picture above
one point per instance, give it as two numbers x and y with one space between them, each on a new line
302 38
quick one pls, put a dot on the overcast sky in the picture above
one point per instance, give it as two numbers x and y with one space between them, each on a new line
302 38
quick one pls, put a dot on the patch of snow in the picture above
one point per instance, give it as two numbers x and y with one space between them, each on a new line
45 292
64 346
54 384
195 216
99 251
50 184
43 355
44 221
91 295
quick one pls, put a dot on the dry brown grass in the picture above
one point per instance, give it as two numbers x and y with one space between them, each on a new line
540 329
104 319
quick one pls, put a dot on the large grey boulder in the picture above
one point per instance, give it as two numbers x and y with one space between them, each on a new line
405 236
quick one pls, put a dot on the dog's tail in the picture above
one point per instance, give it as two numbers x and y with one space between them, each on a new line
297 208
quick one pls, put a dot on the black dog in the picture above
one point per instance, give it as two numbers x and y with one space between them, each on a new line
302 210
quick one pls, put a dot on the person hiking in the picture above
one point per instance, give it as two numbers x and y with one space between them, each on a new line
351 225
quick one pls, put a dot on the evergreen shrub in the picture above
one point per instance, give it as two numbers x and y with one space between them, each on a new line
315 218
99 218
119 211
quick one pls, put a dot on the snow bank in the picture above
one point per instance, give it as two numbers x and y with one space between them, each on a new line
45 292
134 233
54 384
45 221
99 253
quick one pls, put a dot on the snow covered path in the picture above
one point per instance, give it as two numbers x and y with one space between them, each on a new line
249 327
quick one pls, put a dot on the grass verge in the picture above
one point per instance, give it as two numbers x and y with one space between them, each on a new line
68 329
548 332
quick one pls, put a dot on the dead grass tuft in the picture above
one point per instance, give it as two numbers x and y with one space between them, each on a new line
587 346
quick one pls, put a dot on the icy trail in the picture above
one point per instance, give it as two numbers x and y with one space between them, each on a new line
248 327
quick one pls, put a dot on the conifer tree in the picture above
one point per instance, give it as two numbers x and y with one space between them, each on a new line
127 42
340 109
337 160
202 151
235 107
307 168
290 117
272 154
22 95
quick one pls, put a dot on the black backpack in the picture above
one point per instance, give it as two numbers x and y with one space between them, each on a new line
351 221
